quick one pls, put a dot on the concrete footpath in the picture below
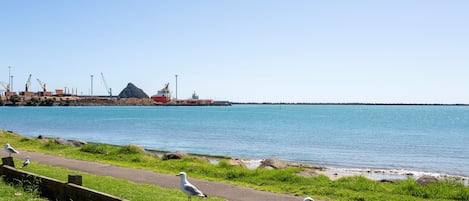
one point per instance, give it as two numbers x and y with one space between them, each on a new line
217 189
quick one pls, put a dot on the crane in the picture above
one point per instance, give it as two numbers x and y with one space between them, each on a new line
28 83
109 90
43 85
6 86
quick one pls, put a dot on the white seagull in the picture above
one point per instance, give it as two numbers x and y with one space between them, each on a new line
188 188
26 162
308 199
10 149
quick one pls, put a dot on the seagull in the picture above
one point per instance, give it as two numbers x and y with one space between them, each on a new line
308 199
188 188
26 162
10 149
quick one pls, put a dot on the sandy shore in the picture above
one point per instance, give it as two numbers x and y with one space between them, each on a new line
337 173
373 174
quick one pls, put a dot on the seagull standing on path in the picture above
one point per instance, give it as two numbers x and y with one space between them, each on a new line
308 199
26 162
10 150
188 188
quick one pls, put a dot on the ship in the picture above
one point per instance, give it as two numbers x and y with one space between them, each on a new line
195 101
163 96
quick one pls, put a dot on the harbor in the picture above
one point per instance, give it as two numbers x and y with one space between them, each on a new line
131 95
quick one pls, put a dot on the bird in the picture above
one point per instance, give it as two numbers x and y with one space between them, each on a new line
10 150
308 199
26 162
188 188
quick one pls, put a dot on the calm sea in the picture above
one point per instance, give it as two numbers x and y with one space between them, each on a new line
420 138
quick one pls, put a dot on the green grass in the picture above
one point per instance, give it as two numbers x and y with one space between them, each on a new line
114 186
17 193
282 180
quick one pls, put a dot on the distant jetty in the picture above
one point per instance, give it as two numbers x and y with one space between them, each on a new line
377 104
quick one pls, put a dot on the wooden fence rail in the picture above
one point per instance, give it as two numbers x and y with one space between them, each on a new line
51 188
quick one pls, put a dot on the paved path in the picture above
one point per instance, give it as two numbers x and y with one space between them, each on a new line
218 189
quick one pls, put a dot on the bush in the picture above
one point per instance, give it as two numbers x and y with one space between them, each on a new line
131 149
224 164
54 145
95 148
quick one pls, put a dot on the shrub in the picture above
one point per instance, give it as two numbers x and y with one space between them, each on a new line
95 148
131 149
54 145
224 164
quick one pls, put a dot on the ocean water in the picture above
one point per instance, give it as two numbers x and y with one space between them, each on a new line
419 138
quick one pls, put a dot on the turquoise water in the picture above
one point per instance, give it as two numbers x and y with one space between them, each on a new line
420 138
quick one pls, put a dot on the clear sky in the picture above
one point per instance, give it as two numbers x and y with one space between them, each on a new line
386 51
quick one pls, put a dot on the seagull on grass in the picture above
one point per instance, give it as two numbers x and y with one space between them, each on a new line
308 199
188 188
10 150
26 162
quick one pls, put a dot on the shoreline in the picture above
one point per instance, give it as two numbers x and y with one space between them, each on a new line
375 174
333 173
70 101
369 104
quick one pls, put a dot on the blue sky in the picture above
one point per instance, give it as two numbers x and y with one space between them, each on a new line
399 51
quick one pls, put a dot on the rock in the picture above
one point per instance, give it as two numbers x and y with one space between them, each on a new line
174 155
237 162
76 143
41 137
61 141
273 163
392 181
427 179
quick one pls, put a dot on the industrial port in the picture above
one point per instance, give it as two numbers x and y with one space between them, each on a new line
131 95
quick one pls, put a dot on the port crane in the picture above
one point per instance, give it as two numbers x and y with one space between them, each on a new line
28 83
6 86
109 90
43 85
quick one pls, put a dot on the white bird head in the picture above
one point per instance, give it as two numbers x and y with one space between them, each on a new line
182 174
308 199
7 145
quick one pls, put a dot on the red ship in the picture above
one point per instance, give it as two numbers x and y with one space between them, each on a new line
163 96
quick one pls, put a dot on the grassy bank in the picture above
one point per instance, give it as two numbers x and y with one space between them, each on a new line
114 186
282 180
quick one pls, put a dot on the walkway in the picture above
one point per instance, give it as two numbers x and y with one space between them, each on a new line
218 189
